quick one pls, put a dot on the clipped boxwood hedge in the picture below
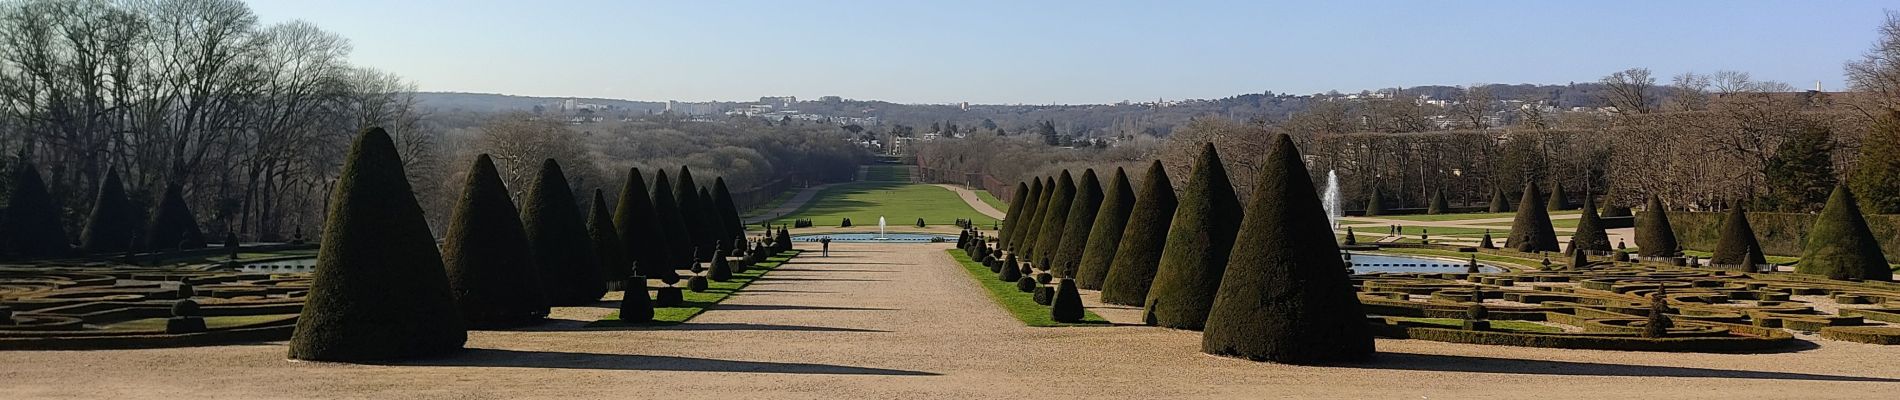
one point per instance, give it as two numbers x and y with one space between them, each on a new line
1864 334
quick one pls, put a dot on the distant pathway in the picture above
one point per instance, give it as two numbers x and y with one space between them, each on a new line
969 196
790 205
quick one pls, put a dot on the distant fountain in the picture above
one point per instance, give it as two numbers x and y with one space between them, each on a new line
1331 199
880 227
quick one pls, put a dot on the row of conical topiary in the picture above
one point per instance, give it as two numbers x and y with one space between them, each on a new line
30 227
1284 297
383 290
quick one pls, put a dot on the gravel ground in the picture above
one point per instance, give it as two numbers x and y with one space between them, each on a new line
903 321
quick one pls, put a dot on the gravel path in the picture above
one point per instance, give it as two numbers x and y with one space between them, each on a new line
902 321
969 196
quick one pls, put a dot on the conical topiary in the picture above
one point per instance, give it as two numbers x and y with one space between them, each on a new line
173 226
1138 256
1487 243
730 226
1012 217
1737 249
1578 259
1110 220
1654 237
635 306
1067 304
1499 202
614 264
379 291
1351 239
1055 219
1530 230
784 239
1042 215
570 270
1590 234
1199 239
31 224
1284 296
639 229
721 269
1558 201
111 226
1840 246
1375 202
1011 270
1658 323
678 241
1022 229
1081 219
692 214
1438 204
697 284
490 266
709 220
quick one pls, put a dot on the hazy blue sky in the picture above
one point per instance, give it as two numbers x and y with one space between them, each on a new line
1036 51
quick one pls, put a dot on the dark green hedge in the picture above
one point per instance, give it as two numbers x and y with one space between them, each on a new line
1780 234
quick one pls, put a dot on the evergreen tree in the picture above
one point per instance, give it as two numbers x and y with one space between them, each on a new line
1199 239
111 226
1106 235
612 253
1067 304
1530 230
1840 246
1054 220
173 225
672 224
1081 219
1590 234
1284 296
1654 237
721 269
1020 231
1876 175
1737 249
485 251
1375 202
1559 201
33 228
1012 269
639 229
1800 175
693 214
1498 202
1014 215
730 224
1438 205
570 270
1132 270
379 291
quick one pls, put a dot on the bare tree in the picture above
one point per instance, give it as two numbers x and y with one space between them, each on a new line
1878 71
1473 106
1629 91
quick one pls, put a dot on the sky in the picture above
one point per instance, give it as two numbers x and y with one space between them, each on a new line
1071 52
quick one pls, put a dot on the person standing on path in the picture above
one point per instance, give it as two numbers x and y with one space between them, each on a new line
825 244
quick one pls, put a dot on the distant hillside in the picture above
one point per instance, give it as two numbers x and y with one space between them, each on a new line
490 102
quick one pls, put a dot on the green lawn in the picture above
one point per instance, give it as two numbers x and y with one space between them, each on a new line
1456 217
1435 231
901 204
1520 326
213 322
1022 305
771 204
887 173
991 199
1522 262
698 302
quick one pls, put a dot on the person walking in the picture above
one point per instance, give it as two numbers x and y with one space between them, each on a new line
825 244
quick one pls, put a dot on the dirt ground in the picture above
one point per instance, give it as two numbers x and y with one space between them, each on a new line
903 321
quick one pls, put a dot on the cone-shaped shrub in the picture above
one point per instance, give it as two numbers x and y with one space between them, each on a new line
1132 270
1840 246
635 306
710 221
1285 296
697 284
111 227
1558 200
1531 231
1375 204
1011 270
1081 219
1055 220
678 241
570 270
1438 204
1013 217
1351 239
639 228
1578 259
173 225
784 239
490 266
1487 242
721 269
729 224
1658 324
32 225
614 265
1737 249
379 291
1028 245
1021 228
1067 306
1106 235
1499 202
1026 284
1590 235
1654 238
963 240
993 264
1199 240
693 213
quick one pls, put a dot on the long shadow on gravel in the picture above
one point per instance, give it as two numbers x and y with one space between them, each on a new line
629 362
571 326
1430 362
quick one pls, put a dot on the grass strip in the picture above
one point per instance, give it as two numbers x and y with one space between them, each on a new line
1020 304
696 303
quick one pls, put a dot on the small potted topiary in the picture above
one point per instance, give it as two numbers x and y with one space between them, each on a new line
1044 277
1350 238
721 270
1067 305
1476 316
669 295
697 284
186 291
1659 322
185 318
1044 294
992 263
845 224
920 222
1026 284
